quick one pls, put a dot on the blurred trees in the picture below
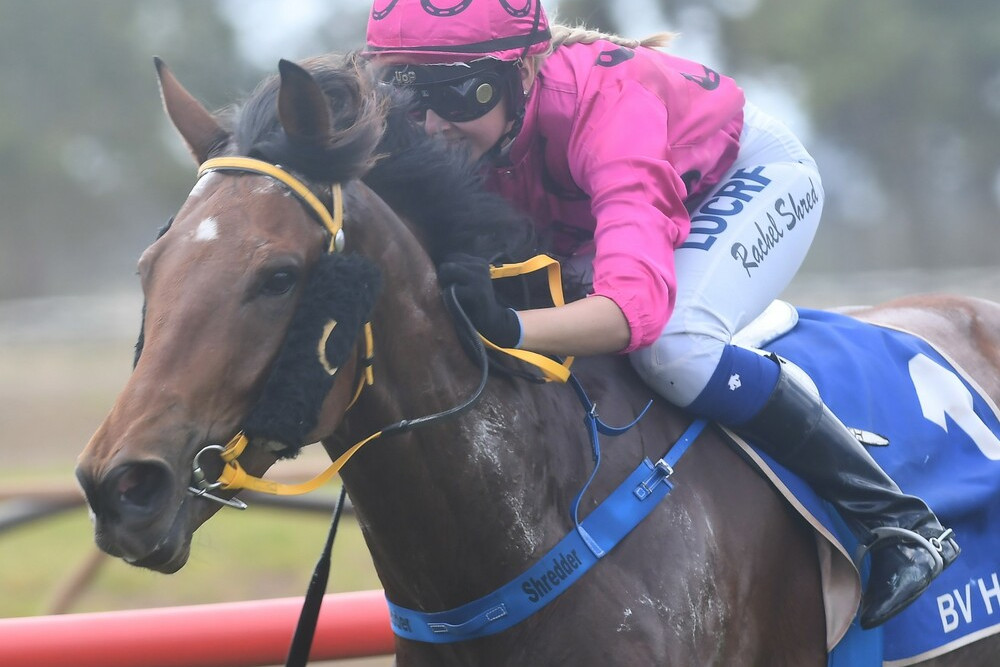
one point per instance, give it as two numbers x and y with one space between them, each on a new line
910 91
903 100
84 182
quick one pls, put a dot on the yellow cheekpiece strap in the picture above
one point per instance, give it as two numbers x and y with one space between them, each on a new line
234 477
552 370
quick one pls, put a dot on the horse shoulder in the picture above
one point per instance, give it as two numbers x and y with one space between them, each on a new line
685 575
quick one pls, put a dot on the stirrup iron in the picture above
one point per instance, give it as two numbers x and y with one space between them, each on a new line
895 535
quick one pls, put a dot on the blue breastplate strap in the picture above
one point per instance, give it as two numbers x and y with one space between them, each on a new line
518 599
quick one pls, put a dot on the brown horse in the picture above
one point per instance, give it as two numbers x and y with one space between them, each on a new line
722 572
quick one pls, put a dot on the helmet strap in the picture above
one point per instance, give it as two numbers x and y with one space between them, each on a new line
534 29
516 103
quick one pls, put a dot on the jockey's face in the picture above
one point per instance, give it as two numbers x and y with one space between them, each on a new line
470 110
479 135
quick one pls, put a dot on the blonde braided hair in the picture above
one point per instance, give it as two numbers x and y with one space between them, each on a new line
580 34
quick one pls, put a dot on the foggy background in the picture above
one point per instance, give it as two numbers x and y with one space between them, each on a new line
899 101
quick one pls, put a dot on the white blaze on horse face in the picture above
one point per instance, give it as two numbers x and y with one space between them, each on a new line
203 183
208 230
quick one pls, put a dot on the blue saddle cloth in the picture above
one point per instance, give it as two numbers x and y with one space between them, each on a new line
944 447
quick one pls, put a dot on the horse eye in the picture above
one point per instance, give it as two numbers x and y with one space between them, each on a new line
280 282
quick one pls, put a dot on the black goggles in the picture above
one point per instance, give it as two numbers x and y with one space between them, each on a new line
457 99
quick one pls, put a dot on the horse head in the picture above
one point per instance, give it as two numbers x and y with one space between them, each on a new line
238 292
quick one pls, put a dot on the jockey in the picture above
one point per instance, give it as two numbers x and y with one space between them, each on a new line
692 210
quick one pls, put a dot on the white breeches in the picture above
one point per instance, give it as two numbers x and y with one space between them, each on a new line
748 238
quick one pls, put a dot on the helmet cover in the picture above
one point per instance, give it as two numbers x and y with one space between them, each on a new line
447 31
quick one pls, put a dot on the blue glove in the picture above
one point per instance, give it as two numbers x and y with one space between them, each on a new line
470 277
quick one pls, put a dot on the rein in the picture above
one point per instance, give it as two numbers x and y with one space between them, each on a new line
552 371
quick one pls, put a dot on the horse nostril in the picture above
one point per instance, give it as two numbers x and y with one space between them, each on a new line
137 487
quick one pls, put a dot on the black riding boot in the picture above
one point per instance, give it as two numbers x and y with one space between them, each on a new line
908 545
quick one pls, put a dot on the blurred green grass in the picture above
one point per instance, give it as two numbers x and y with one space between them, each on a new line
260 553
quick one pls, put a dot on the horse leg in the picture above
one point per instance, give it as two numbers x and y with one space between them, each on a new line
798 632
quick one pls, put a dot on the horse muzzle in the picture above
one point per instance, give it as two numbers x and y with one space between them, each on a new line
139 513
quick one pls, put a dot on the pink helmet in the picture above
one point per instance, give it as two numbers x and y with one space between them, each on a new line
443 31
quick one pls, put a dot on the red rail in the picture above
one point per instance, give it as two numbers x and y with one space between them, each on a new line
233 634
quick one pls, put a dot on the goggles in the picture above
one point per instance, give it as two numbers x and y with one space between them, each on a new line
456 93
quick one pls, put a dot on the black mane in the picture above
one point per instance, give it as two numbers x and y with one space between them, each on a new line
433 185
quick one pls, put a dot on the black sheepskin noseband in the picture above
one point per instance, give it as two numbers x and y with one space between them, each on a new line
336 304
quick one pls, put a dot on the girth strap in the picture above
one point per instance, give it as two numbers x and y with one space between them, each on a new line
553 573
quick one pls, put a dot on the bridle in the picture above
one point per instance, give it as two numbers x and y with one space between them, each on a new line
233 475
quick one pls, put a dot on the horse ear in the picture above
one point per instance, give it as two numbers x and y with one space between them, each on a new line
196 125
303 108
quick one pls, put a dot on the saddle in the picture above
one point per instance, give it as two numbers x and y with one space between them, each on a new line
941 443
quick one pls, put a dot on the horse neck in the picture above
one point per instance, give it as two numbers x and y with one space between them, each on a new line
479 480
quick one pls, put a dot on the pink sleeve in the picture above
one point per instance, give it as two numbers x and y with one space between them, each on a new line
620 154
